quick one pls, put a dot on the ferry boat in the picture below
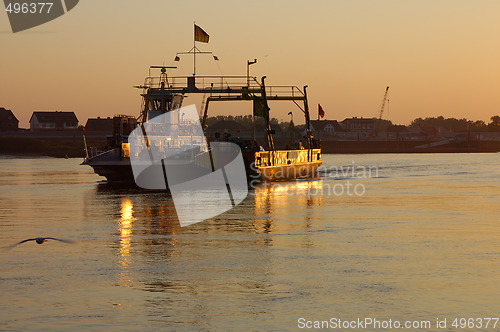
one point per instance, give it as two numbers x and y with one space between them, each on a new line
163 94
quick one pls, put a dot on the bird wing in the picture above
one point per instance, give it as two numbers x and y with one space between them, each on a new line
25 241
60 240
16 244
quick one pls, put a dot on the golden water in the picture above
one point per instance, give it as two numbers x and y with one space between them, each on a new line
421 243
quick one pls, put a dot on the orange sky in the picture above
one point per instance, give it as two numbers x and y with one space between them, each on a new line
438 57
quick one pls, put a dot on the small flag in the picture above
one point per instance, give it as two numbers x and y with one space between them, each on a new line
321 113
177 58
200 35
259 108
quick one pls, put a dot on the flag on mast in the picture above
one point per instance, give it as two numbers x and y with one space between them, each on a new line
200 35
321 113
259 108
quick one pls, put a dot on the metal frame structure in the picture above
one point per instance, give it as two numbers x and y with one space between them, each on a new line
230 88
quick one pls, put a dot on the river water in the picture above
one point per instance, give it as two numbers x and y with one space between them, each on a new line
393 237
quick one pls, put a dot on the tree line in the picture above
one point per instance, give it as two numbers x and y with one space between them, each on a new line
455 125
452 124
247 121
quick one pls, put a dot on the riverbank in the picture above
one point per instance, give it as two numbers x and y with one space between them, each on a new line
413 146
52 144
71 144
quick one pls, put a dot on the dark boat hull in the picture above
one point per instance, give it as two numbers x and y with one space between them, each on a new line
283 165
120 173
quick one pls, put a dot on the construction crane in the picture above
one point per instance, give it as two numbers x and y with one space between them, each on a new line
383 103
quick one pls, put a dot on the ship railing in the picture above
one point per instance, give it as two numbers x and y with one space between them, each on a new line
286 157
94 151
227 84
283 91
204 82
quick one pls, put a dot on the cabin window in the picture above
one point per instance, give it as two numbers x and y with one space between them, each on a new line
125 150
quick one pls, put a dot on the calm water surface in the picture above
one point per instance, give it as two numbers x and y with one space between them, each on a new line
422 242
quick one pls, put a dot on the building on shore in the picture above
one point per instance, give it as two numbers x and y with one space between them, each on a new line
359 125
56 120
100 125
324 128
8 121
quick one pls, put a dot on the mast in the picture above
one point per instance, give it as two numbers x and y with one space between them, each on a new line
308 120
249 63
269 130
198 35
194 49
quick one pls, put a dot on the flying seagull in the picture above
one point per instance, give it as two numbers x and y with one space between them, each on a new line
40 240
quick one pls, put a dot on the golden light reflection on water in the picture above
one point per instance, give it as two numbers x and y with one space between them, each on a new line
125 224
271 197
308 192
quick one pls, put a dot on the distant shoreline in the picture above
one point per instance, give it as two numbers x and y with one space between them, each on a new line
71 144
50 144
414 146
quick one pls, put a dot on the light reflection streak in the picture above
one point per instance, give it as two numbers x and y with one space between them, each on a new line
125 224
270 196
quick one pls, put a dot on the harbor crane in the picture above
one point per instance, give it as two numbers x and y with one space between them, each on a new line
383 103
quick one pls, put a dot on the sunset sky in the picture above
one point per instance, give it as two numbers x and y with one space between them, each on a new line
439 57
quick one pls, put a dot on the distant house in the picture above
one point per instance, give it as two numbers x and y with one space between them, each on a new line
103 125
359 125
8 120
322 128
53 121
